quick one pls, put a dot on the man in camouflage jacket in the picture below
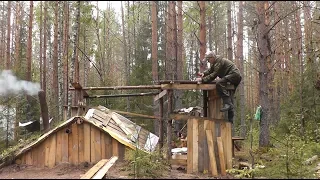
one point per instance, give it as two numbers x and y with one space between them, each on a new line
227 72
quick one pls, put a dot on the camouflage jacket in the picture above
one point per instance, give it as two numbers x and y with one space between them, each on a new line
221 68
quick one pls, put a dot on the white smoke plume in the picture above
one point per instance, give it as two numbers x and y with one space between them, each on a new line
10 85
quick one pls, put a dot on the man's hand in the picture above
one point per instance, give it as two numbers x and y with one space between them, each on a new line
200 74
199 80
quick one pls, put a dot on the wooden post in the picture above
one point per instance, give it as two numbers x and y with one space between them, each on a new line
169 125
161 123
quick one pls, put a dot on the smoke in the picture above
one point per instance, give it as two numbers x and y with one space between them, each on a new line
10 85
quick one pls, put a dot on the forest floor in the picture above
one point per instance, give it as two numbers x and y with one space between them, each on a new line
118 171
67 171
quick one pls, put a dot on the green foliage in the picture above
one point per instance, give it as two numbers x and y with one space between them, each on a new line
146 165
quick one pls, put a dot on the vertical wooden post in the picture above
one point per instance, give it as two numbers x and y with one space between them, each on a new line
161 123
169 124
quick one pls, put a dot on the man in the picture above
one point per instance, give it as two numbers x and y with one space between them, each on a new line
227 72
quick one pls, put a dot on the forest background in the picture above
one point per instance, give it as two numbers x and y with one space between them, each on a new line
48 45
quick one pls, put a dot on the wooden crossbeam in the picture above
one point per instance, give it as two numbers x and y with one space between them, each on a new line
120 87
178 117
160 95
123 95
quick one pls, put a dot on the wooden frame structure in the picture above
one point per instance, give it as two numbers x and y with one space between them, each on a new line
209 137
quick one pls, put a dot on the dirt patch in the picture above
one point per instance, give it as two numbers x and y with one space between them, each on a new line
67 171
61 171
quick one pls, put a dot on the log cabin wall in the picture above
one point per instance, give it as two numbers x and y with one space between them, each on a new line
85 143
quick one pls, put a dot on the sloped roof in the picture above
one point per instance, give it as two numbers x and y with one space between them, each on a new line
112 123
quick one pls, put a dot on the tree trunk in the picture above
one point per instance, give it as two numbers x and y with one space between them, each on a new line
29 44
307 31
55 88
74 61
154 57
8 55
40 48
240 60
300 60
18 63
229 31
44 110
65 56
125 57
202 36
44 75
263 43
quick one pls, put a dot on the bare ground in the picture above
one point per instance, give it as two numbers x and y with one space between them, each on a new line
67 171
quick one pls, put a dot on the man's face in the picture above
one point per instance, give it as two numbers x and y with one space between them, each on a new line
211 60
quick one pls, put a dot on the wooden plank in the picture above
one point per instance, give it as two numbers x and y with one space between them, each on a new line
115 148
206 160
29 157
81 142
213 164
195 134
225 129
221 156
121 150
93 144
64 145
70 145
201 146
134 114
190 146
52 150
23 159
47 152
87 142
102 171
189 86
103 145
228 149
59 147
179 117
160 95
121 124
94 169
41 155
35 155
108 145
75 144
97 145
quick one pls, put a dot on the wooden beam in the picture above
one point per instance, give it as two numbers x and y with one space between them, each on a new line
123 95
102 172
189 86
160 95
135 114
121 87
178 117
